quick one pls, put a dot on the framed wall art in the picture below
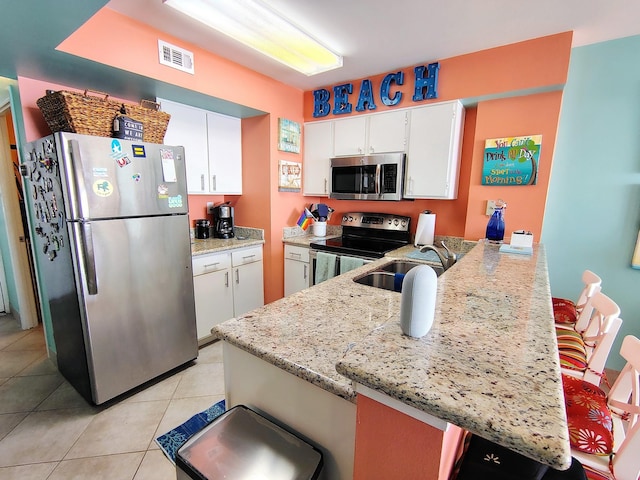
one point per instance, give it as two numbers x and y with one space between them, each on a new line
511 160
288 136
289 176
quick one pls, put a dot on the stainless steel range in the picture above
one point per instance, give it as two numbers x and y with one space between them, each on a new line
365 235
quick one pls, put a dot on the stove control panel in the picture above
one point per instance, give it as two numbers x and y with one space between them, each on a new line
379 221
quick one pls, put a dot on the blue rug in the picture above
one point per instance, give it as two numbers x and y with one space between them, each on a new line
171 441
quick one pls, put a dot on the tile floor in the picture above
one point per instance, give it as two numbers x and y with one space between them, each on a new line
48 431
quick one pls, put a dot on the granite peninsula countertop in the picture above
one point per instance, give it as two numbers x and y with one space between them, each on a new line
488 365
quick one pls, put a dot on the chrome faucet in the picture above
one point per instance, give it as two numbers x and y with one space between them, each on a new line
448 261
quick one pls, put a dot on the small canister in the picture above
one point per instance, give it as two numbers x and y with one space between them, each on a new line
202 228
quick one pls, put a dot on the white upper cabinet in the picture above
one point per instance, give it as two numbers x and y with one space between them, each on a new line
225 153
350 136
213 147
368 134
318 149
388 132
188 128
433 153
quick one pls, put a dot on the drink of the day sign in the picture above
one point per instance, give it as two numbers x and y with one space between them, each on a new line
511 160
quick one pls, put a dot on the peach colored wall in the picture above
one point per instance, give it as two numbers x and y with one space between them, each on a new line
391 444
507 71
223 79
30 91
529 115
533 64
255 209
214 75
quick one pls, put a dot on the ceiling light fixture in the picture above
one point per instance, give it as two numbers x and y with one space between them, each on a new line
256 25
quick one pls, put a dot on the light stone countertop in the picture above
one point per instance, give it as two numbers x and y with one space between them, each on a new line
305 240
489 363
244 237
298 237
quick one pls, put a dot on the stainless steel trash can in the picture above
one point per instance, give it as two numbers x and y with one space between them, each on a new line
241 444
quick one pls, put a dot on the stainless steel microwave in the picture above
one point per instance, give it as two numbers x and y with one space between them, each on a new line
367 177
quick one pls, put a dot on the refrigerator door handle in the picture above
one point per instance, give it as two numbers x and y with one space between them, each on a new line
88 257
78 193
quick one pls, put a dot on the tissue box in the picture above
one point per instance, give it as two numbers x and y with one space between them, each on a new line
520 238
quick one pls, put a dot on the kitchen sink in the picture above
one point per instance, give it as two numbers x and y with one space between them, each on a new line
390 276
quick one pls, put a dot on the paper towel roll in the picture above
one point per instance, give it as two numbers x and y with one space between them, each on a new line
426 228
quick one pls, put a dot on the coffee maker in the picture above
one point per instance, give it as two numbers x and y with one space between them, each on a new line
223 221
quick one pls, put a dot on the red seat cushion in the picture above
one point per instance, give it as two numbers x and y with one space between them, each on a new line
595 474
564 311
571 348
588 417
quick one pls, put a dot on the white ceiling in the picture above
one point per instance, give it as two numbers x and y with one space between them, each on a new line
377 36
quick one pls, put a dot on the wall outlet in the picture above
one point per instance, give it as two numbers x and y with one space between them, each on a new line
491 206
210 208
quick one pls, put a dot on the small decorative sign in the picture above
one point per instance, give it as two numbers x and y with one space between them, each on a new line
290 176
127 128
511 160
288 136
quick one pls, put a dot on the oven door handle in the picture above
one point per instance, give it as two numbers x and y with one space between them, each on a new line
377 182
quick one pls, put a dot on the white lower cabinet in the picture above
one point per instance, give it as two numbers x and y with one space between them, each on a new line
248 282
226 284
297 271
212 290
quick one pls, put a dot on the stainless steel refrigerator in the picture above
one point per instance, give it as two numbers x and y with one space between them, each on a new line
113 249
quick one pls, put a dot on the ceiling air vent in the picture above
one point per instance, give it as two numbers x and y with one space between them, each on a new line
175 57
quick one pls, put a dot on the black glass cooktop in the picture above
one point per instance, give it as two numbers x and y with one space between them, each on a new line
357 246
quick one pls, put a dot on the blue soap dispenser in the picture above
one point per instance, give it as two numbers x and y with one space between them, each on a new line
495 227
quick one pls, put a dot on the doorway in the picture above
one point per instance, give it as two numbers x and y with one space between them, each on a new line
20 288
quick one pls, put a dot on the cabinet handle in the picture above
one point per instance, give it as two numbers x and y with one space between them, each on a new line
359 150
237 276
371 150
211 265
213 181
226 279
305 271
248 256
325 185
202 182
293 254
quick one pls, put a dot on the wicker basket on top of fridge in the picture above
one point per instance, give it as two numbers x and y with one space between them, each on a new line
93 113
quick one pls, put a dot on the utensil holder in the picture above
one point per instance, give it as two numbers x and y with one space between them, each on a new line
319 229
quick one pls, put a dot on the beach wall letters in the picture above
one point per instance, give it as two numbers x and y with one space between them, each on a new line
425 87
